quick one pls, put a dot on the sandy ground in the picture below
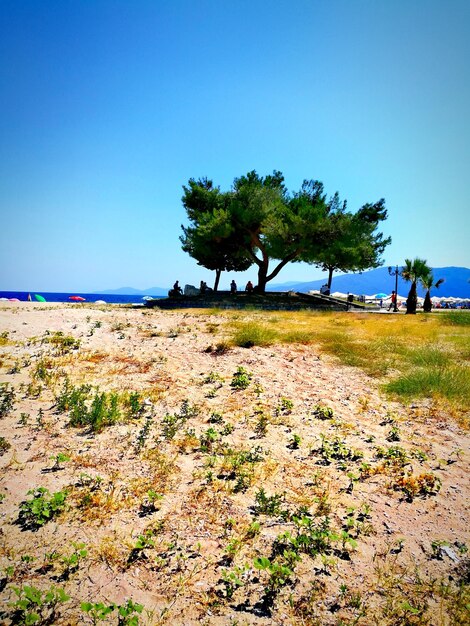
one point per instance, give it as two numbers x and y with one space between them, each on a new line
390 559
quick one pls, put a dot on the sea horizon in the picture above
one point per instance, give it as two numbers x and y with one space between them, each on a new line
61 296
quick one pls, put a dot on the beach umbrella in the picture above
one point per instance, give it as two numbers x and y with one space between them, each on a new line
100 302
39 298
77 298
381 295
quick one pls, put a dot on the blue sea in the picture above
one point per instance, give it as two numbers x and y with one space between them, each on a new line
65 297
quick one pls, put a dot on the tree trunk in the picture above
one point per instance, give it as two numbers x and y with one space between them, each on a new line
427 305
217 278
412 300
330 277
262 278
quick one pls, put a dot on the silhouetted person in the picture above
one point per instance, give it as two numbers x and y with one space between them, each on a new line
249 287
233 287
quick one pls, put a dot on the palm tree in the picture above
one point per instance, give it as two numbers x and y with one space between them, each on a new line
428 284
414 271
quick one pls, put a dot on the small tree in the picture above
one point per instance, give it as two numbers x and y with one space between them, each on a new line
414 271
428 283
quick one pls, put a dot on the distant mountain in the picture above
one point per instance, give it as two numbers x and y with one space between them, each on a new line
456 283
130 291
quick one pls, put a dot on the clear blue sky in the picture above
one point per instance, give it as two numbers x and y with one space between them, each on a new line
108 107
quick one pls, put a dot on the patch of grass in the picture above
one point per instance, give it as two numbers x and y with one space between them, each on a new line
252 334
429 356
455 318
451 383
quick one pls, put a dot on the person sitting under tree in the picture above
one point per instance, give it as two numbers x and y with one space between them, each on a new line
249 287
176 291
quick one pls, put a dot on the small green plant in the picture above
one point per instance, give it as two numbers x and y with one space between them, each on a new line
128 613
97 611
261 426
134 405
24 419
216 418
149 503
173 423
336 449
227 429
323 412
34 606
7 399
212 377
15 368
4 445
241 379
42 507
232 580
208 440
72 561
394 434
59 458
269 505
143 542
238 466
285 406
40 419
279 574
143 434
294 443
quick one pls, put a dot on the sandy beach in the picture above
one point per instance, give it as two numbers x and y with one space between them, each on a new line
164 497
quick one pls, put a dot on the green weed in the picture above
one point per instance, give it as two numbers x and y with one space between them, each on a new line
241 378
34 606
42 507
7 399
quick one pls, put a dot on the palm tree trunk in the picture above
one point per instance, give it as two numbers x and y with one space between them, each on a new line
412 300
427 305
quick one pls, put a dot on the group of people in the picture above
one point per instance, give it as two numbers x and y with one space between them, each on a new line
203 288
248 288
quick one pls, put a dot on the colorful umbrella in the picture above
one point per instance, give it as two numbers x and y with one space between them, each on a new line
39 298
381 295
77 298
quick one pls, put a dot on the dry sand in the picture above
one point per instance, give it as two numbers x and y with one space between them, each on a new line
202 526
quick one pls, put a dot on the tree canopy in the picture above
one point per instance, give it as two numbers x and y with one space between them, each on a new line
258 221
209 239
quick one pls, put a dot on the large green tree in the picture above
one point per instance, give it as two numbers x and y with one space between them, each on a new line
209 237
259 222
351 242
272 224
414 271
